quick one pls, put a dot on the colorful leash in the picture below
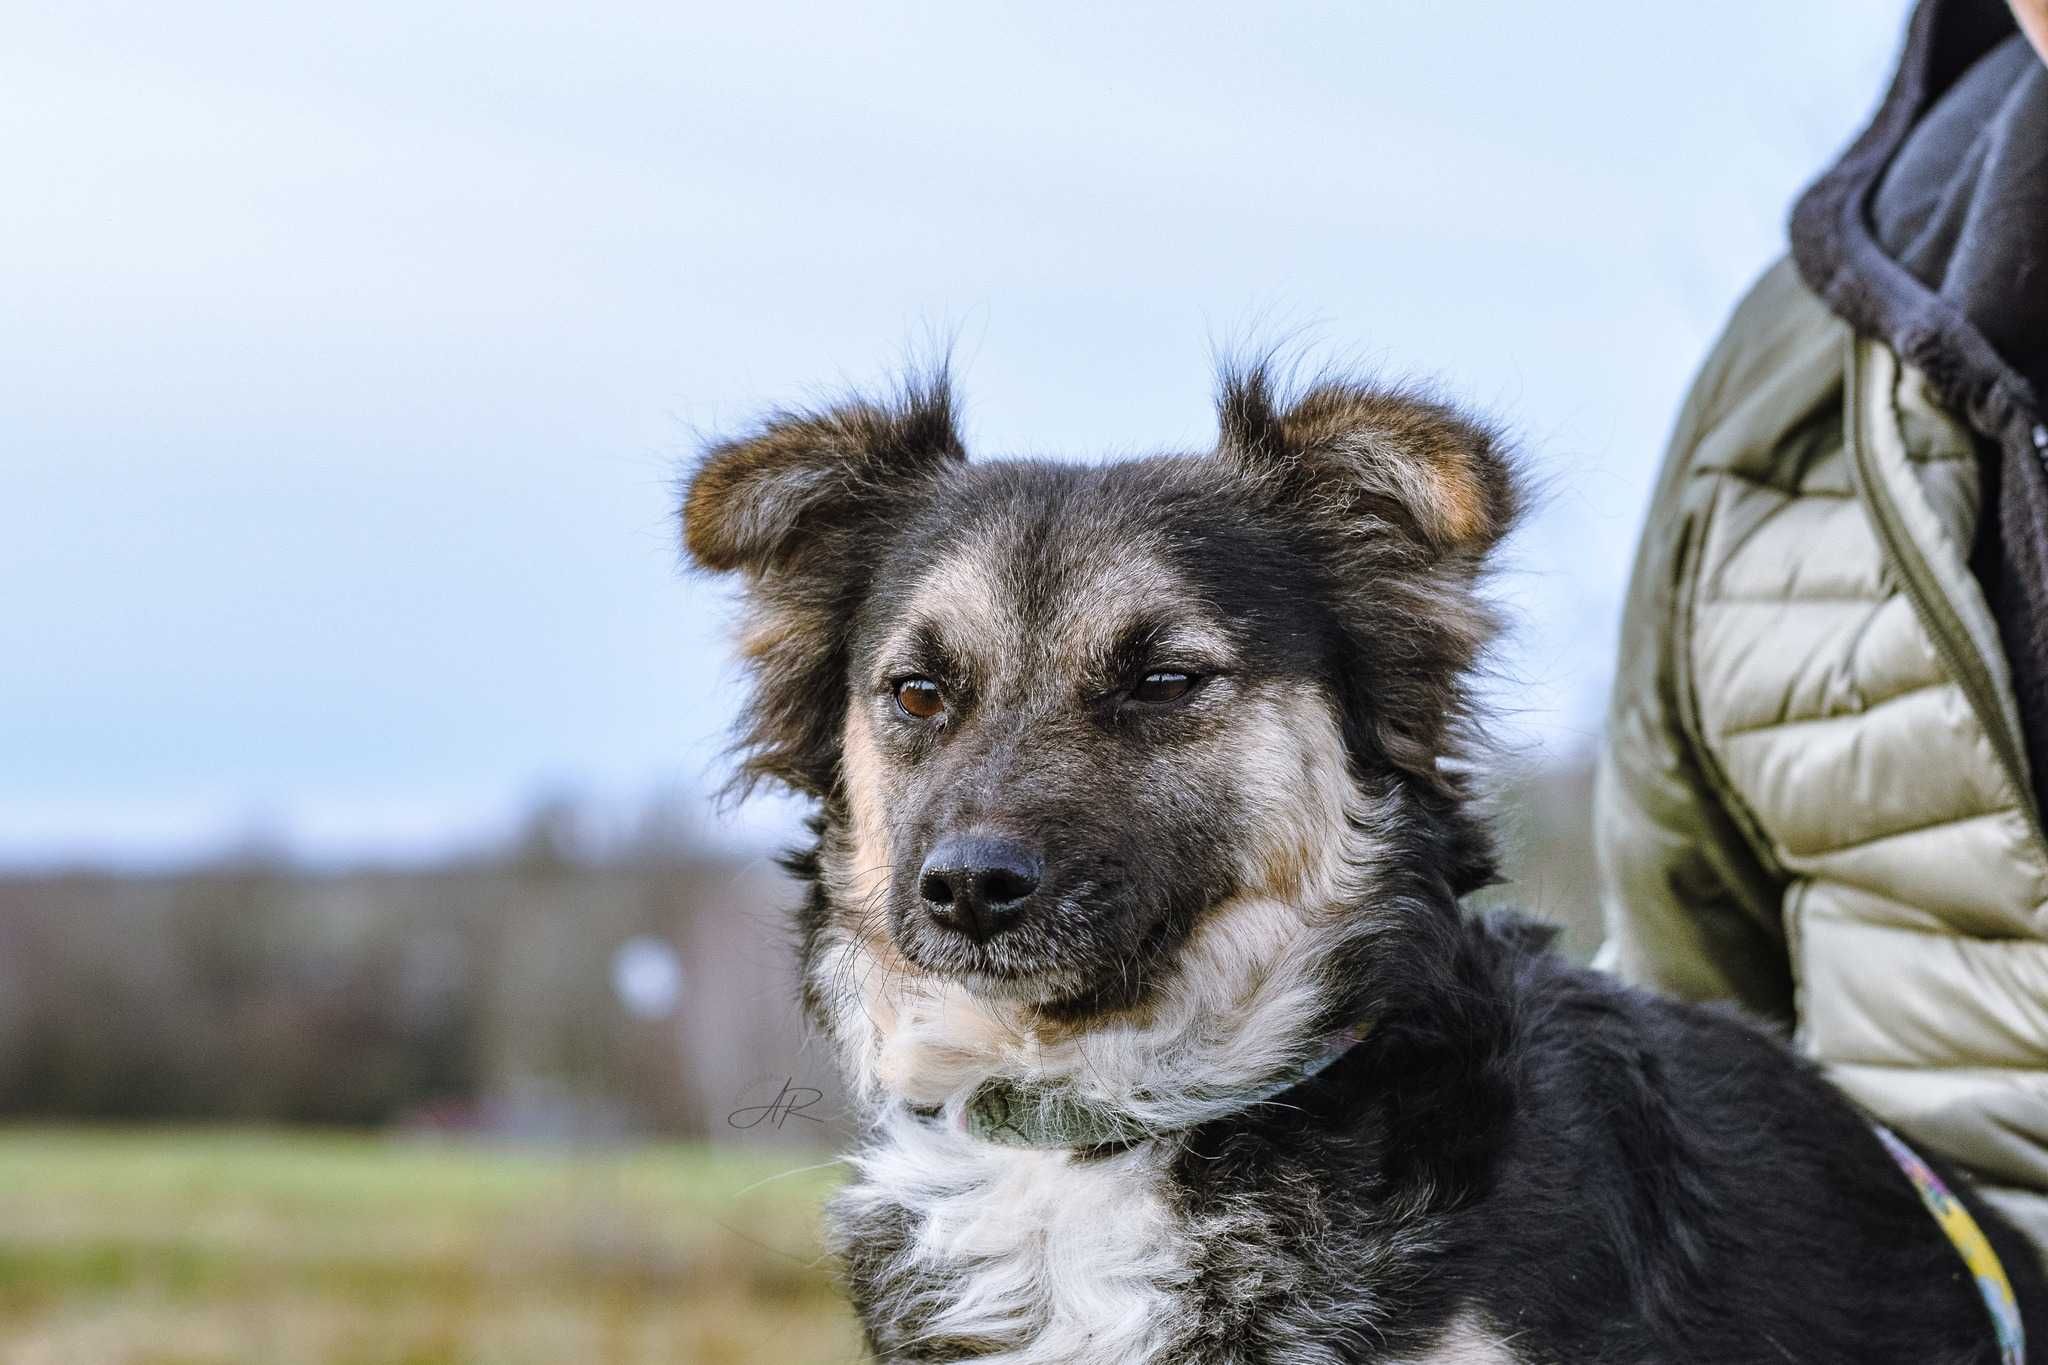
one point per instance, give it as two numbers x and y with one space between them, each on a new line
1970 1242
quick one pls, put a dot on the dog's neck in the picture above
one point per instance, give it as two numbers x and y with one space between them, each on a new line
1263 989
1247 1014
1050 1114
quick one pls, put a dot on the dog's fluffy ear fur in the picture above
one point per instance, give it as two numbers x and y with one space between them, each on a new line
1359 459
756 499
799 506
1404 498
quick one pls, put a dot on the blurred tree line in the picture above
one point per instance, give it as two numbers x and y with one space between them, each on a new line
483 995
478 995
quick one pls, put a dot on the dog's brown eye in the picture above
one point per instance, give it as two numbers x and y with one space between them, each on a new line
920 698
1162 687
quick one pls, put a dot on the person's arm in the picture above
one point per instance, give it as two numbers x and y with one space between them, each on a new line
1688 906
1686 909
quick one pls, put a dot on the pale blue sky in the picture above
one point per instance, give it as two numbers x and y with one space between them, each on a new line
346 353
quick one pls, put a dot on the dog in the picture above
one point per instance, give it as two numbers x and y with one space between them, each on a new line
1145 802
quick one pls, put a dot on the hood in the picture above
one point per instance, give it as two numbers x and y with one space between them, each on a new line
1931 235
1931 232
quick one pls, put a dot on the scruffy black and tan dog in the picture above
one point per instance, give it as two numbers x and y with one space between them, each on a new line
1134 910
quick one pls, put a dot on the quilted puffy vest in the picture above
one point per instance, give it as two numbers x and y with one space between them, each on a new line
1815 795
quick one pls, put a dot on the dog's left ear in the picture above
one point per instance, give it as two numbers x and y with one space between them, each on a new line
802 507
1402 498
1364 461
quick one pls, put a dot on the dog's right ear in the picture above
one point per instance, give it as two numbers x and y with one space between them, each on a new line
796 506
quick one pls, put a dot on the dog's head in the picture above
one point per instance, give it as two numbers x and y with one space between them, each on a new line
1057 714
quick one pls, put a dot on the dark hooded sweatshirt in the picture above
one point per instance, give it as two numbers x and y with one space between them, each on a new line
1931 235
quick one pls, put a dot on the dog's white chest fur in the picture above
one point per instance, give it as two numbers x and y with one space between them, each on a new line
1048 1257
1044 1258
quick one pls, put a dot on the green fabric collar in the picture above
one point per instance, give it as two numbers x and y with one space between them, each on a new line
1023 1113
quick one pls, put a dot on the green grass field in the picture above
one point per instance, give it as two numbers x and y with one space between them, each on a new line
194 1247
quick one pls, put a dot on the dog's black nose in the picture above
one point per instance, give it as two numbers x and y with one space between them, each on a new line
977 883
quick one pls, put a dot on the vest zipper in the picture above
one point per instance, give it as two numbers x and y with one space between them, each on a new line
1951 637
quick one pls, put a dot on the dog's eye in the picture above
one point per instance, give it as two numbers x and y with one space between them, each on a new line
1165 686
920 698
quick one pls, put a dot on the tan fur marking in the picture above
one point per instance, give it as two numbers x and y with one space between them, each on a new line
861 767
964 595
1456 498
1130 579
1291 753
